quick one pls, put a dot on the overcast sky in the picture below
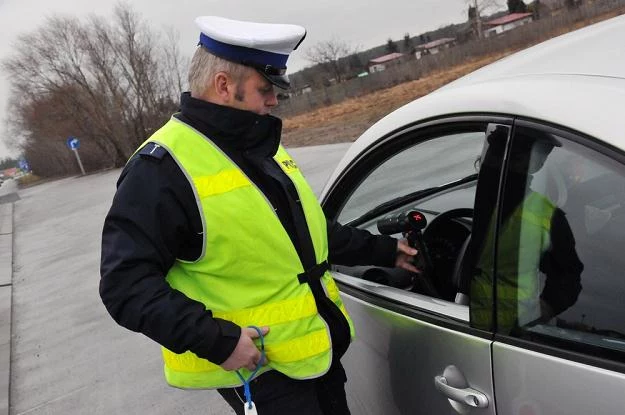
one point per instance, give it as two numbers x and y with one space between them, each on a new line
359 22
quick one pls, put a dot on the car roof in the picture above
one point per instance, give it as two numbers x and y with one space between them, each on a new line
596 50
576 80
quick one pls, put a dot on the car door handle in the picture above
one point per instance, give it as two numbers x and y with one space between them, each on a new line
467 396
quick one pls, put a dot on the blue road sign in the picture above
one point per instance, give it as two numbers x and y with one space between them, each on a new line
73 143
23 165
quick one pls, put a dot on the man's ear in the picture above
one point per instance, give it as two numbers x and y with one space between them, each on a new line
223 85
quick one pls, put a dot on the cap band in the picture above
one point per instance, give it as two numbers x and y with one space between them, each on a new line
242 54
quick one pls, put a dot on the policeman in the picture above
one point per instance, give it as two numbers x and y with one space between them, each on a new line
215 241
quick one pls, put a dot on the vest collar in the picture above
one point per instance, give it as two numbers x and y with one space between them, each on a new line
256 135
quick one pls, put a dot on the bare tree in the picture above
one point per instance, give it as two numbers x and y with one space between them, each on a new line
408 46
173 66
517 6
329 54
391 47
111 83
478 8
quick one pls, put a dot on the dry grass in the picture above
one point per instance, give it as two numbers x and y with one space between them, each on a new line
28 180
347 120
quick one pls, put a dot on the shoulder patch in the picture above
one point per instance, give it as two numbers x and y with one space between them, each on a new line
153 150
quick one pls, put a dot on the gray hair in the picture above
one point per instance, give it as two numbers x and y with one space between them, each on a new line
204 67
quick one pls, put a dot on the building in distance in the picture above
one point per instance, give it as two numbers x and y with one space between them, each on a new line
381 63
506 23
434 47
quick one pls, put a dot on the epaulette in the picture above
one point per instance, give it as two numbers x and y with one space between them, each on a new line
153 150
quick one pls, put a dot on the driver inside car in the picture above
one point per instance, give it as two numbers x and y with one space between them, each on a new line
538 269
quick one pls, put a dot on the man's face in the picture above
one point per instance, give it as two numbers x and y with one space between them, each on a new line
255 94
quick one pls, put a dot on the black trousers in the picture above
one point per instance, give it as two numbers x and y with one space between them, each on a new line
276 394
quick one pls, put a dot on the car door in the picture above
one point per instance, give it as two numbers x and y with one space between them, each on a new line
415 349
560 322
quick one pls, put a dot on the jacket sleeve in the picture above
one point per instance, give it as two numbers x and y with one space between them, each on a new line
562 266
148 226
352 246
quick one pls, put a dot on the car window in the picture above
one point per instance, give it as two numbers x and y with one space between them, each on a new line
560 259
436 174
427 164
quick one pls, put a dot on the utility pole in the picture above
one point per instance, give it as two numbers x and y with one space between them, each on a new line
478 20
82 169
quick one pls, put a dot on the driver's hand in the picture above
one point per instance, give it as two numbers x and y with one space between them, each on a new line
405 256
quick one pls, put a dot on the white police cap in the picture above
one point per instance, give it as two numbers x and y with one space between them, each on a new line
262 46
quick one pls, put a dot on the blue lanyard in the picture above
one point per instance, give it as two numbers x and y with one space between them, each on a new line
246 382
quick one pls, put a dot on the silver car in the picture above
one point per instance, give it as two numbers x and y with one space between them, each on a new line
511 182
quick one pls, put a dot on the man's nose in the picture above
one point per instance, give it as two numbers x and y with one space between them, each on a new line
272 100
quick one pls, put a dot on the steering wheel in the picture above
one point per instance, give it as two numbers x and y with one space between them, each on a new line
444 259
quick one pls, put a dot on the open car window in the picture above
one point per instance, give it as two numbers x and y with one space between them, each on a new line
436 174
424 165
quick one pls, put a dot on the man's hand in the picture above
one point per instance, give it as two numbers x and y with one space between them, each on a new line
405 256
245 354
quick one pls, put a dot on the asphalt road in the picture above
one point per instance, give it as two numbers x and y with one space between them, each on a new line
67 355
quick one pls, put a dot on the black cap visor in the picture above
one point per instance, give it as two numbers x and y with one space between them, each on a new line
277 76
281 81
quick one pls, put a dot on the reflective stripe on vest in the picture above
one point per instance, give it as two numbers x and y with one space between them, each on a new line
523 239
248 269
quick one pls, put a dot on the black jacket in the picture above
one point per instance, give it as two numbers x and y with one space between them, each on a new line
154 219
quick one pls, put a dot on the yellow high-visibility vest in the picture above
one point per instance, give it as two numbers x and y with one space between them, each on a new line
523 239
248 270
